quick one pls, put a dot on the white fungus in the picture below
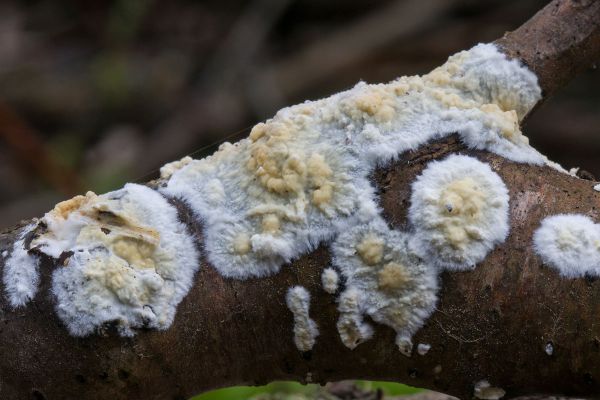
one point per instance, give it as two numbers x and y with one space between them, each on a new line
130 261
305 329
459 212
549 348
301 177
569 243
330 280
484 391
597 187
384 281
21 275
423 348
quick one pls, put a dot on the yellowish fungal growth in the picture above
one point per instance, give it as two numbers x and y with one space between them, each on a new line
462 202
459 211
378 103
270 223
302 176
91 219
169 169
393 276
370 249
484 391
330 280
305 329
128 259
398 290
241 244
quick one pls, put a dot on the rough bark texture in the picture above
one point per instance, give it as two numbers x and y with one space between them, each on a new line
492 323
558 42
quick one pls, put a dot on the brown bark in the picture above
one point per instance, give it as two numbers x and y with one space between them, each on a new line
558 42
492 323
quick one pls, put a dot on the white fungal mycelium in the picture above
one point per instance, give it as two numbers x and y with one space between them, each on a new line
302 179
128 260
330 280
305 329
423 348
459 211
569 243
485 391
21 275
383 281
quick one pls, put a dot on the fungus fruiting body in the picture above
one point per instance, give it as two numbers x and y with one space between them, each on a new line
423 348
459 210
305 329
485 391
302 176
301 179
394 288
21 275
570 244
330 280
127 259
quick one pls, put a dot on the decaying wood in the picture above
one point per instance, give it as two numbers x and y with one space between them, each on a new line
492 323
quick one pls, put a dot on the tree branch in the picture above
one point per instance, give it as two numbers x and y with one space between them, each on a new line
492 323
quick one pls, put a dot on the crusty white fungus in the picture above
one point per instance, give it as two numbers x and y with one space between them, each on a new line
169 169
459 212
21 275
597 187
423 348
396 289
549 348
129 260
569 243
305 329
330 280
299 180
484 391
301 177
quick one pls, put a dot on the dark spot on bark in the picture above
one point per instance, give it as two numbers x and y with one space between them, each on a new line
583 174
588 379
80 378
106 231
413 373
37 395
307 355
287 366
103 375
122 374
